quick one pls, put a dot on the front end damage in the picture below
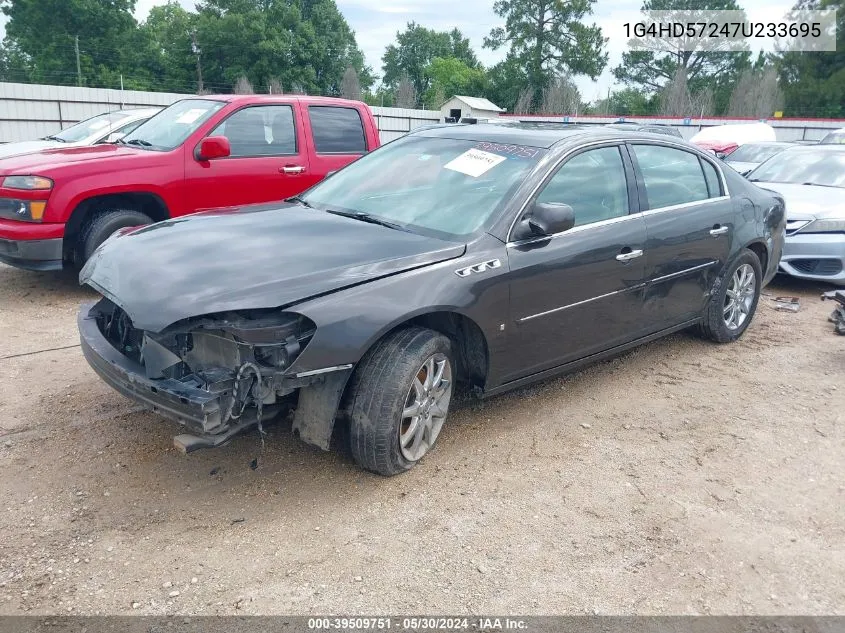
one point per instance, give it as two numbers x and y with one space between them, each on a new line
216 375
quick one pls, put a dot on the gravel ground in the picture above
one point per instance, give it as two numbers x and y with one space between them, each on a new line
684 477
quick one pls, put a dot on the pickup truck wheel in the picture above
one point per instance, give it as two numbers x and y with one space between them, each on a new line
399 400
733 300
100 227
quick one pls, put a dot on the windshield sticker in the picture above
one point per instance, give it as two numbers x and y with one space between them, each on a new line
424 157
98 125
190 116
474 162
514 151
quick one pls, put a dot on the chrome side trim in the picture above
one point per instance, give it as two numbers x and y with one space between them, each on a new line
324 370
685 205
680 273
576 229
683 272
579 303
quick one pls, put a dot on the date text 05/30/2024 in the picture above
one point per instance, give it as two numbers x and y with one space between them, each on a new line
417 624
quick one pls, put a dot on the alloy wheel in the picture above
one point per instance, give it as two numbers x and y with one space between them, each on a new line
426 407
739 297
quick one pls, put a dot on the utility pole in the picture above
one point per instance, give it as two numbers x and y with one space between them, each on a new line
78 65
198 52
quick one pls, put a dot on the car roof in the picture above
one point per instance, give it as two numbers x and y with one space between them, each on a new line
537 136
247 99
139 111
836 148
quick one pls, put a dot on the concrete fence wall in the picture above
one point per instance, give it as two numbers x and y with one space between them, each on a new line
31 111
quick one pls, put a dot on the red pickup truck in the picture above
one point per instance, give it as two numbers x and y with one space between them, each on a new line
57 206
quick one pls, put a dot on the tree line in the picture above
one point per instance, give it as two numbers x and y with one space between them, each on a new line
306 46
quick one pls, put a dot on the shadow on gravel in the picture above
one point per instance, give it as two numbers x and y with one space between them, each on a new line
17 284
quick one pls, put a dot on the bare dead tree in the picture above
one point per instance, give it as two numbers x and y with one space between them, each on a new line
350 85
274 86
406 93
677 100
243 86
561 96
756 94
524 101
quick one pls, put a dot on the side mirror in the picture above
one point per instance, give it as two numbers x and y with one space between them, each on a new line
544 219
212 147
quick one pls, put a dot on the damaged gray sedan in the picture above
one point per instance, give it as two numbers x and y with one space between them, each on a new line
488 256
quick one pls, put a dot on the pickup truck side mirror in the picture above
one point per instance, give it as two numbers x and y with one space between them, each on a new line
212 147
545 219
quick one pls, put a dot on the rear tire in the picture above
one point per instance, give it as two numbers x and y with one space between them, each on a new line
398 400
733 300
100 227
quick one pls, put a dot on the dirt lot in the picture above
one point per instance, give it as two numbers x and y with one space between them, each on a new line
684 477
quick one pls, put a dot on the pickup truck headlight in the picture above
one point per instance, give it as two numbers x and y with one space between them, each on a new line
825 226
28 183
25 210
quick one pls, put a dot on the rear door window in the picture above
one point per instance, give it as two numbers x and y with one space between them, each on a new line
337 130
672 176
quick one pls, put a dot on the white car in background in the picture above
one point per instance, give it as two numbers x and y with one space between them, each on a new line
103 128
811 179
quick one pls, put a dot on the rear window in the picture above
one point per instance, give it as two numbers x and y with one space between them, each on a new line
337 130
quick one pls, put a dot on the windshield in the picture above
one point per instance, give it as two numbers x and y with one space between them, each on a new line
170 127
98 124
803 167
836 138
446 187
754 153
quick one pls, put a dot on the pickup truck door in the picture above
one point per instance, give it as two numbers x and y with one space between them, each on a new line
337 135
269 160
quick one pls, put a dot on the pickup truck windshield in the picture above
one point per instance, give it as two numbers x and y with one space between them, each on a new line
447 187
169 128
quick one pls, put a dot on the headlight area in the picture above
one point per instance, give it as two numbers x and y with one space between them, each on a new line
237 358
24 198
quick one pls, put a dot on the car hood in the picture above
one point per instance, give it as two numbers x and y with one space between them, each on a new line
27 147
41 162
808 202
248 258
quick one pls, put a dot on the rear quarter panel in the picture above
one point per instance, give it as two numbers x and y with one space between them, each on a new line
761 219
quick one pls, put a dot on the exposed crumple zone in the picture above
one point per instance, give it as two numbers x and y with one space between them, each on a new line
240 358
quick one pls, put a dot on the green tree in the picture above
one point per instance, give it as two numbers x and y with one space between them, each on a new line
169 54
41 40
306 45
415 49
450 76
716 71
813 83
548 38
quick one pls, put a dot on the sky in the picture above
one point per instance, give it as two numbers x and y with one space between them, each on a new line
376 22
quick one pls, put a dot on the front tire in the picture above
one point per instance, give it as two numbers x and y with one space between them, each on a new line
399 398
733 300
100 227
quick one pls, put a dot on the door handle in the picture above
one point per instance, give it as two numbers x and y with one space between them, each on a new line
292 169
719 230
628 255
